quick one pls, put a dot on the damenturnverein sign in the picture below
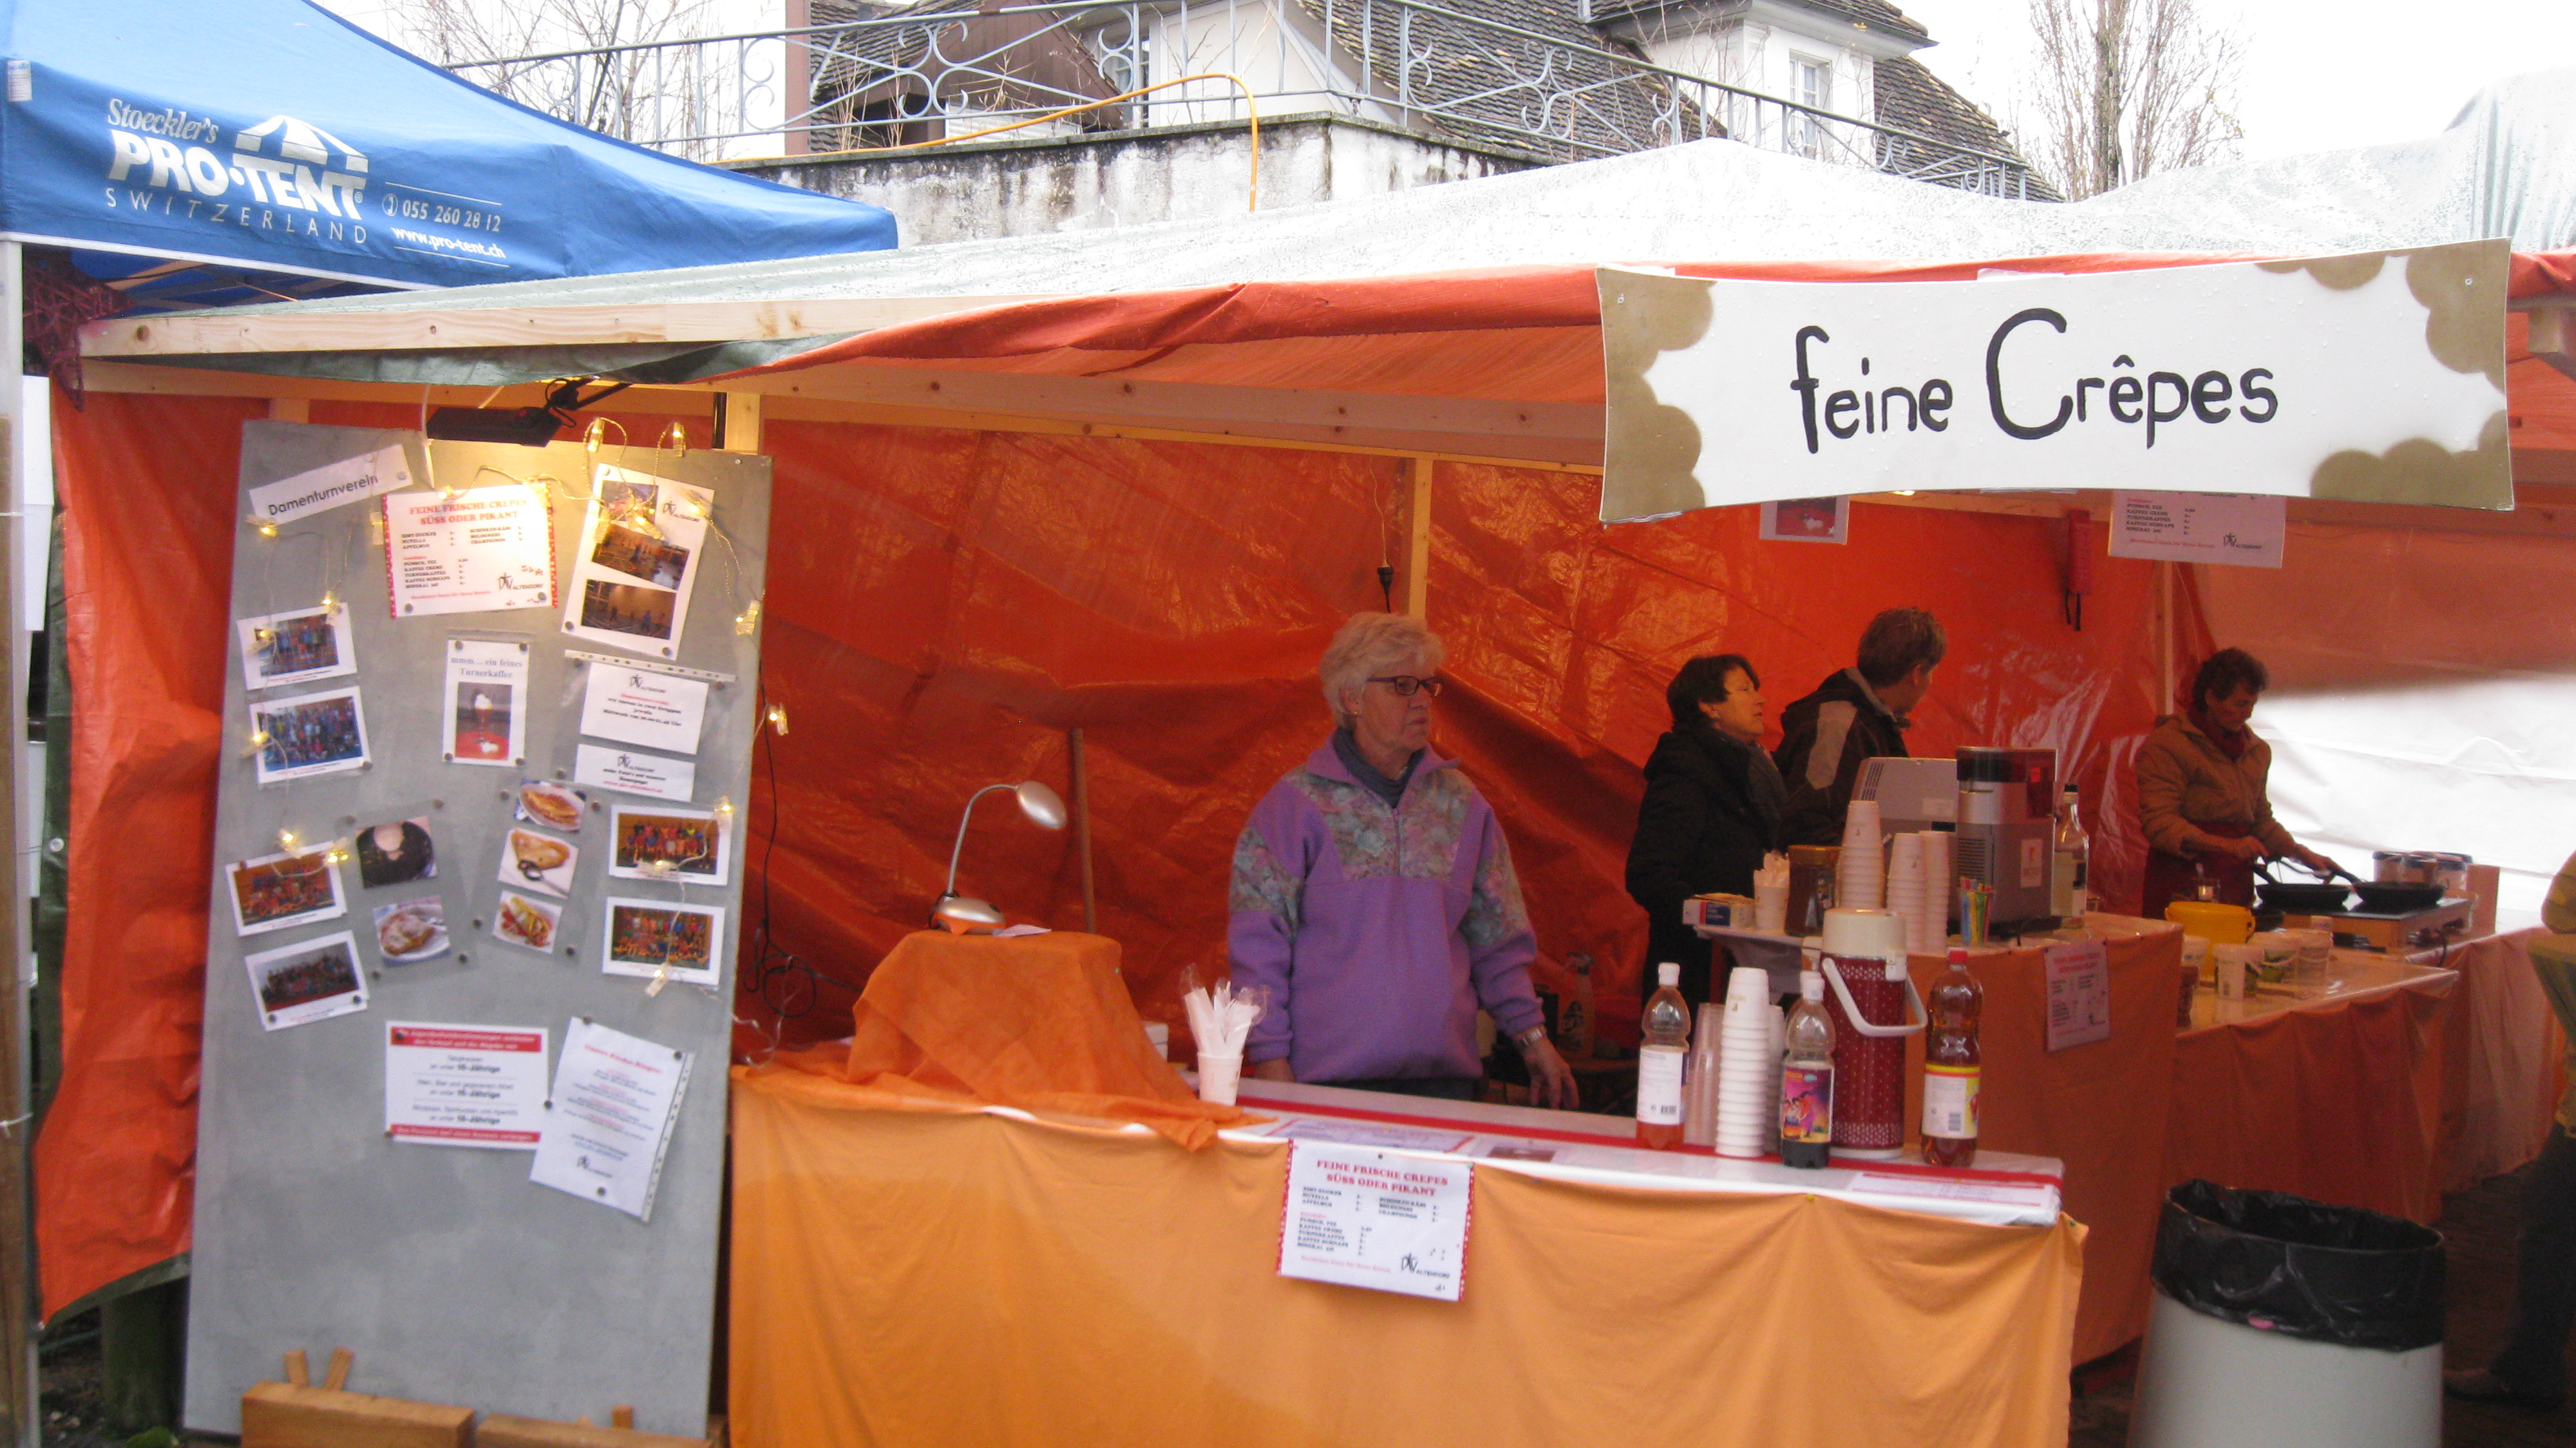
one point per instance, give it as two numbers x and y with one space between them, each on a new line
2375 377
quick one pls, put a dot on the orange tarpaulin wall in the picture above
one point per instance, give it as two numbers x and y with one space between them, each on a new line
911 1277
945 604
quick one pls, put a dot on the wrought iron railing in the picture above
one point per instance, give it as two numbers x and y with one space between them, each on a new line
891 77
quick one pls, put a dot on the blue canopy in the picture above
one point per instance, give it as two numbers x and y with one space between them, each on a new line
272 136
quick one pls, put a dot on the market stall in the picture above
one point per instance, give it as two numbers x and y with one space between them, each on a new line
1137 514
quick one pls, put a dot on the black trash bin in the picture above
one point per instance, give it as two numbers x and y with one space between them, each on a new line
2279 1320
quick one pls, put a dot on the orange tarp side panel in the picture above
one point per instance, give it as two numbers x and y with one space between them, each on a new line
1039 1022
904 1278
2342 1104
2090 1106
2504 1052
146 490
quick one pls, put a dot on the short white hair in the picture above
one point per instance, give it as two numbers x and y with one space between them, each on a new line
1374 645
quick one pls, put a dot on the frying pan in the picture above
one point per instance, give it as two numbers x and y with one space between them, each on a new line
2300 897
2381 897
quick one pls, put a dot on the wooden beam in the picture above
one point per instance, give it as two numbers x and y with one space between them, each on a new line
290 409
418 323
2553 335
741 416
1417 542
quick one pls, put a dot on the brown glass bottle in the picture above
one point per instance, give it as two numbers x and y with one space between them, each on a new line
1952 1065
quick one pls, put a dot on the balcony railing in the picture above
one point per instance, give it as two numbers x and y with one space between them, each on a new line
901 78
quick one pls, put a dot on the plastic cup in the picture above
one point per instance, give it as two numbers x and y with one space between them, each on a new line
1218 1077
1771 906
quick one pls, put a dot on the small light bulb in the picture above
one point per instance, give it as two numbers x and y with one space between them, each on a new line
748 619
258 738
286 839
778 718
724 805
329 602
591 435
661 978
676 439
266 528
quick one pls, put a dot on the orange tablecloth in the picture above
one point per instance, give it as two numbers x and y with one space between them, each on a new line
2099 1108
942 1277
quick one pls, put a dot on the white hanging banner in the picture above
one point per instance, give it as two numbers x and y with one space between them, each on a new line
2377 377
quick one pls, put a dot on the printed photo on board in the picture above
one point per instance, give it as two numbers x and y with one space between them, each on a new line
639 553
396 853
649 937
627 608
482 721
311 980
544 802
687 846
308 735
277 891
622 498
411 931
526 922
538 862
295 647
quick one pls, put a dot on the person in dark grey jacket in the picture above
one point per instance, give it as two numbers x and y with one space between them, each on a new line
1711 811
1858 715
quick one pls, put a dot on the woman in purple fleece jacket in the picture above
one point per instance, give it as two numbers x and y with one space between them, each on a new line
1374 896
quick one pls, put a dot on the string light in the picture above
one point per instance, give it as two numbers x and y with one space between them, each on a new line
661 978
747 620
266 528
724 805
286 839
675 438
778 718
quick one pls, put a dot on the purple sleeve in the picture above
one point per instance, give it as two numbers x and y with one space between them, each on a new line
1499 944
1264 904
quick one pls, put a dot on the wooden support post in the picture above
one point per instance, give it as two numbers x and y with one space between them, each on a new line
1082 830
1417 542
741 414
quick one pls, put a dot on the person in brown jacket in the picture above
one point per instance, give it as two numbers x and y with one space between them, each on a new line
2201 795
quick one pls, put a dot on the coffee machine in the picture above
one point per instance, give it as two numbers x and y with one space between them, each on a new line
2007 831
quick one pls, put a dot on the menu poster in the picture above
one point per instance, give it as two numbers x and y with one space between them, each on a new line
485 707
477 550
642 541
465 1085
2079 993
2244 529
1373 1219
297 647
644 706
608 1121
632 773
316 490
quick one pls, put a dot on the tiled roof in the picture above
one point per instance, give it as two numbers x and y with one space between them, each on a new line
1913 97
1875 15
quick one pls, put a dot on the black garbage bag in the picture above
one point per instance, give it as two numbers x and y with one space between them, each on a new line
2282 1263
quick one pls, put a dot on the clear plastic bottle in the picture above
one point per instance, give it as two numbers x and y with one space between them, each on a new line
2074 850
1665 1045
1951 1066
1807 1079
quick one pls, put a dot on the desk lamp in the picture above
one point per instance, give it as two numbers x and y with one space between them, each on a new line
1039 803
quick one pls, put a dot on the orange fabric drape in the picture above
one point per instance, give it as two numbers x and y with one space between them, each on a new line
1039 1022
2090 1106
2342 1104
924 1278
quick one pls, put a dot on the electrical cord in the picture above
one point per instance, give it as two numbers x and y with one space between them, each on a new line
782 981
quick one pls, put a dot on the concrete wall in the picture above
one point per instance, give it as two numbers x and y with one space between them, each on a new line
1008 187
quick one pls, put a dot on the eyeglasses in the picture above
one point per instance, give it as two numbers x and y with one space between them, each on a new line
1404 685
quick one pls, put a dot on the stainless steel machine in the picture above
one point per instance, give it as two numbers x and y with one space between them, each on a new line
2007 818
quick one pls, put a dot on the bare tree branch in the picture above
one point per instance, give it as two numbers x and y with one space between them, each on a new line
2125 88
614 93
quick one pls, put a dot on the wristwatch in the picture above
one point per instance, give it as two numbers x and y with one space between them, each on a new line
1529 1039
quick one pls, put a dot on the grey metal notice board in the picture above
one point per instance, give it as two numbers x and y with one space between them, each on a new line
451 1275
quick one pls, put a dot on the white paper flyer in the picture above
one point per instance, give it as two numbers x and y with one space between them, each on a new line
485 714
637 562
449 1085
1373 1219
642 706
629 772
609 1118
482 549
2079 993
317 490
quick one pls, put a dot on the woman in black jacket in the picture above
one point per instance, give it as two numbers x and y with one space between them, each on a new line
1711 811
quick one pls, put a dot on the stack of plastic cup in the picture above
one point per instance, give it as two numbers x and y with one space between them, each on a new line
1906 888
1938 885
1699 1092
1862 880
1748 1078
2309 972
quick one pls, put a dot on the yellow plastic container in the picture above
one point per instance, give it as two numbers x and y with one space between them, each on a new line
2218 924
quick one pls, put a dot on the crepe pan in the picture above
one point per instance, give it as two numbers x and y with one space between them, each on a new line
2323 897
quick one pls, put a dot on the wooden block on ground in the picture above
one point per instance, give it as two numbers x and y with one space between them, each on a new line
281 1415
501 1430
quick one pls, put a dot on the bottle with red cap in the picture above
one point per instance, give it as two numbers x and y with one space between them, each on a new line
1952 1065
